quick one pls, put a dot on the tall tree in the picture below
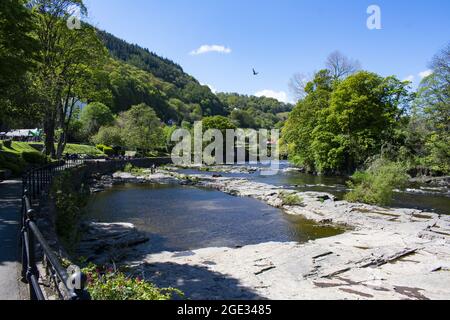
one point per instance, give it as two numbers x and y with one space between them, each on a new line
17 50
141 128
94 116
434 108
340 124
341 66
297 132
66 63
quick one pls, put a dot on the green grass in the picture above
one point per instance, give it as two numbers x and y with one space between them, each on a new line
72 148
83 149
11 158
14 158
291 199
19 148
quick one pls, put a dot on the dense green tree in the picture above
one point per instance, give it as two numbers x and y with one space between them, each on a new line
17 46
141 128
363 112
429 131
94 116
217 123
17 50
298 130
109 136
66 65
243 119
167 81
341 124
254 112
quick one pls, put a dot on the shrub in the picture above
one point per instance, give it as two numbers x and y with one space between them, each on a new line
70 199
13 162
128 168
7 144
133 170
115 285
291 199
108 151
376 185
34 158
100 147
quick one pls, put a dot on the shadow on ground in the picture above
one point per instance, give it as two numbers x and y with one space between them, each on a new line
9 221
197 282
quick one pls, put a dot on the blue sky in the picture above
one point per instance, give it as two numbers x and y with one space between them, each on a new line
278 37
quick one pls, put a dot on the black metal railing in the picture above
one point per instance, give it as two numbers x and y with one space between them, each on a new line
35 247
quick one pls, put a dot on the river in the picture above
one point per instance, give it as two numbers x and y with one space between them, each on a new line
181 218
416 196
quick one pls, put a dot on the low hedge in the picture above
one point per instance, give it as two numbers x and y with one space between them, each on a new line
7 144
35 158
13 162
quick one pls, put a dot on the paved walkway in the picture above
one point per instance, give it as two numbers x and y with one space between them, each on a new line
10 193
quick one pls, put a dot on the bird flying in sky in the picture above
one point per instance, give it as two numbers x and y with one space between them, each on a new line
255 73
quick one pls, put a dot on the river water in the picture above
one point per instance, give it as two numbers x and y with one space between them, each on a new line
415 196
181 218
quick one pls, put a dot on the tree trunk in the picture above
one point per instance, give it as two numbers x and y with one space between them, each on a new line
49 130
62 141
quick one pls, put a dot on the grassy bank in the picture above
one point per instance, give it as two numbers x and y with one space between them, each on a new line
18 156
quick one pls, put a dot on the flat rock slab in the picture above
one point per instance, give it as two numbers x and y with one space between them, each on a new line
107 242
387 253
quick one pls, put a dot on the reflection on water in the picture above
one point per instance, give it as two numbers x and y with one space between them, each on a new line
180 218
434 202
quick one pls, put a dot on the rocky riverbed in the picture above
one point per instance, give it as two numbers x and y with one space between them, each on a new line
386 253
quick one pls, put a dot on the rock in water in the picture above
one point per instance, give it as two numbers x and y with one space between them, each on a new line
107 242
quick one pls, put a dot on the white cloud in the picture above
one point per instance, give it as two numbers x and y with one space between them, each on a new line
279 95
410 78
206 48
425 73
213 89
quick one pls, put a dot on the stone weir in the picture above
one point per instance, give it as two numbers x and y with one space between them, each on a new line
387 253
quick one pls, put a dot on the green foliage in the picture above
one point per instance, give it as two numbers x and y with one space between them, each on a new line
140 76
115 285
429 136
129 168
298 130
18 156
254 112
82 150
35 158
111 136
70 198
94 116
17 45
100 147
12 161
291 199
376 185
7 144
342 123
141 128
108 151
217 122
